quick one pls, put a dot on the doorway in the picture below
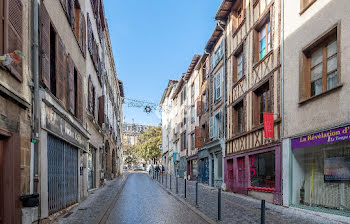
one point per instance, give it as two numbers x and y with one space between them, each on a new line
2 204
212 173
241 176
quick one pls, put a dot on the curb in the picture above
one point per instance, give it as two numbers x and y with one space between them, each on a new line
103 216
194 209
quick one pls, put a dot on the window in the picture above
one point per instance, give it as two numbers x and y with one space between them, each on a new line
262 170
2 26
238 14
76 91
264 39
238 119
192 93
322 68
263 103
238 65
217 86
217 56
52 61
192 141
193 110
216 125
77 20
183 141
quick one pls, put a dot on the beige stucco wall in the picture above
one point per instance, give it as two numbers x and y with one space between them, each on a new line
300 30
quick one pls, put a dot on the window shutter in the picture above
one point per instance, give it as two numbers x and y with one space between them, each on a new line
101 110
15 34
60 71
198 143
199 107
90 34
71 85
80 98
90 94
71 13
82 32
45 46
211 127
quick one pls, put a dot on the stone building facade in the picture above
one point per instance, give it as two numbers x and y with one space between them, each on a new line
16 97
316 119
60 162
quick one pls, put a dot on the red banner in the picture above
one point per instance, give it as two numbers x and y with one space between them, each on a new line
268 125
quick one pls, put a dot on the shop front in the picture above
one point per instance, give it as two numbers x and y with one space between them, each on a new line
203 166
192 167
320 171
256 173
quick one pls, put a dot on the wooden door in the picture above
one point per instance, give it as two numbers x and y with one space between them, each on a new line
230 174
241 176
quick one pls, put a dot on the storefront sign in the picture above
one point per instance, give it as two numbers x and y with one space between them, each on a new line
268 125
330 136
58 125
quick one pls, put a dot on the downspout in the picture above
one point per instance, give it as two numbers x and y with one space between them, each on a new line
34 171
36 101
282 68
223 139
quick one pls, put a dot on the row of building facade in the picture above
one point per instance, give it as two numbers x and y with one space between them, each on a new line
277 56
61 106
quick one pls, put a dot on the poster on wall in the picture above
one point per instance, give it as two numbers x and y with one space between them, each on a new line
337 169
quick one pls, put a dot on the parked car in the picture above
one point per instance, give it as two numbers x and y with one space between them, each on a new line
125 168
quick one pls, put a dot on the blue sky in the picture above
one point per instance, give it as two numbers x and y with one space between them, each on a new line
154 41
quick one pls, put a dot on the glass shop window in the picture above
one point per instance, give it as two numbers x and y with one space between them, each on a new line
262 170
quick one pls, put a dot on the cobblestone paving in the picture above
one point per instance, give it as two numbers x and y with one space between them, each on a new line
239 208
88 210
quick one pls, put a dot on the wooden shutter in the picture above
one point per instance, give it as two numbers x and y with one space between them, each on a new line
101 110
60 71
90 94
211 127
45 46
80 98
199 107
198 137
71 85
90 34
15 34
71 13
82 32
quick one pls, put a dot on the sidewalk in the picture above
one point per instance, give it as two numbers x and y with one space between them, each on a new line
238 208
93 208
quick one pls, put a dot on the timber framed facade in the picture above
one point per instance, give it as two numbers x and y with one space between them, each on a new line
253 87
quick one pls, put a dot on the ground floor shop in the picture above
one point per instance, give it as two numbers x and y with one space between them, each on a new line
215 163
64 162
203 166
319 174
182 167
256 173
192 168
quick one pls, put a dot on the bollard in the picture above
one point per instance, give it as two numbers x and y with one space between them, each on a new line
166 180
185 188
263 212
196 193
170 181
177 185
162 179
219 203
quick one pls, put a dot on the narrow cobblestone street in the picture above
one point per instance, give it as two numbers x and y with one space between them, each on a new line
137 198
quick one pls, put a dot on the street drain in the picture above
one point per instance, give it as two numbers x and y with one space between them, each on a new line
68 214
82 208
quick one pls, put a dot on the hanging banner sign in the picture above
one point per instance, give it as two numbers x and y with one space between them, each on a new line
330 136
268 125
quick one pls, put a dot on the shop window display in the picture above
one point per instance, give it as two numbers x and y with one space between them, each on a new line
321 176
262 170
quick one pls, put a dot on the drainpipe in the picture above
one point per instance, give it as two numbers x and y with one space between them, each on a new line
36 100
223 139
282 68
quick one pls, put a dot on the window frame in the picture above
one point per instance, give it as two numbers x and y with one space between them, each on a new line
217 85
239 53
238 127
258 117
305 5
321 41
268 45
